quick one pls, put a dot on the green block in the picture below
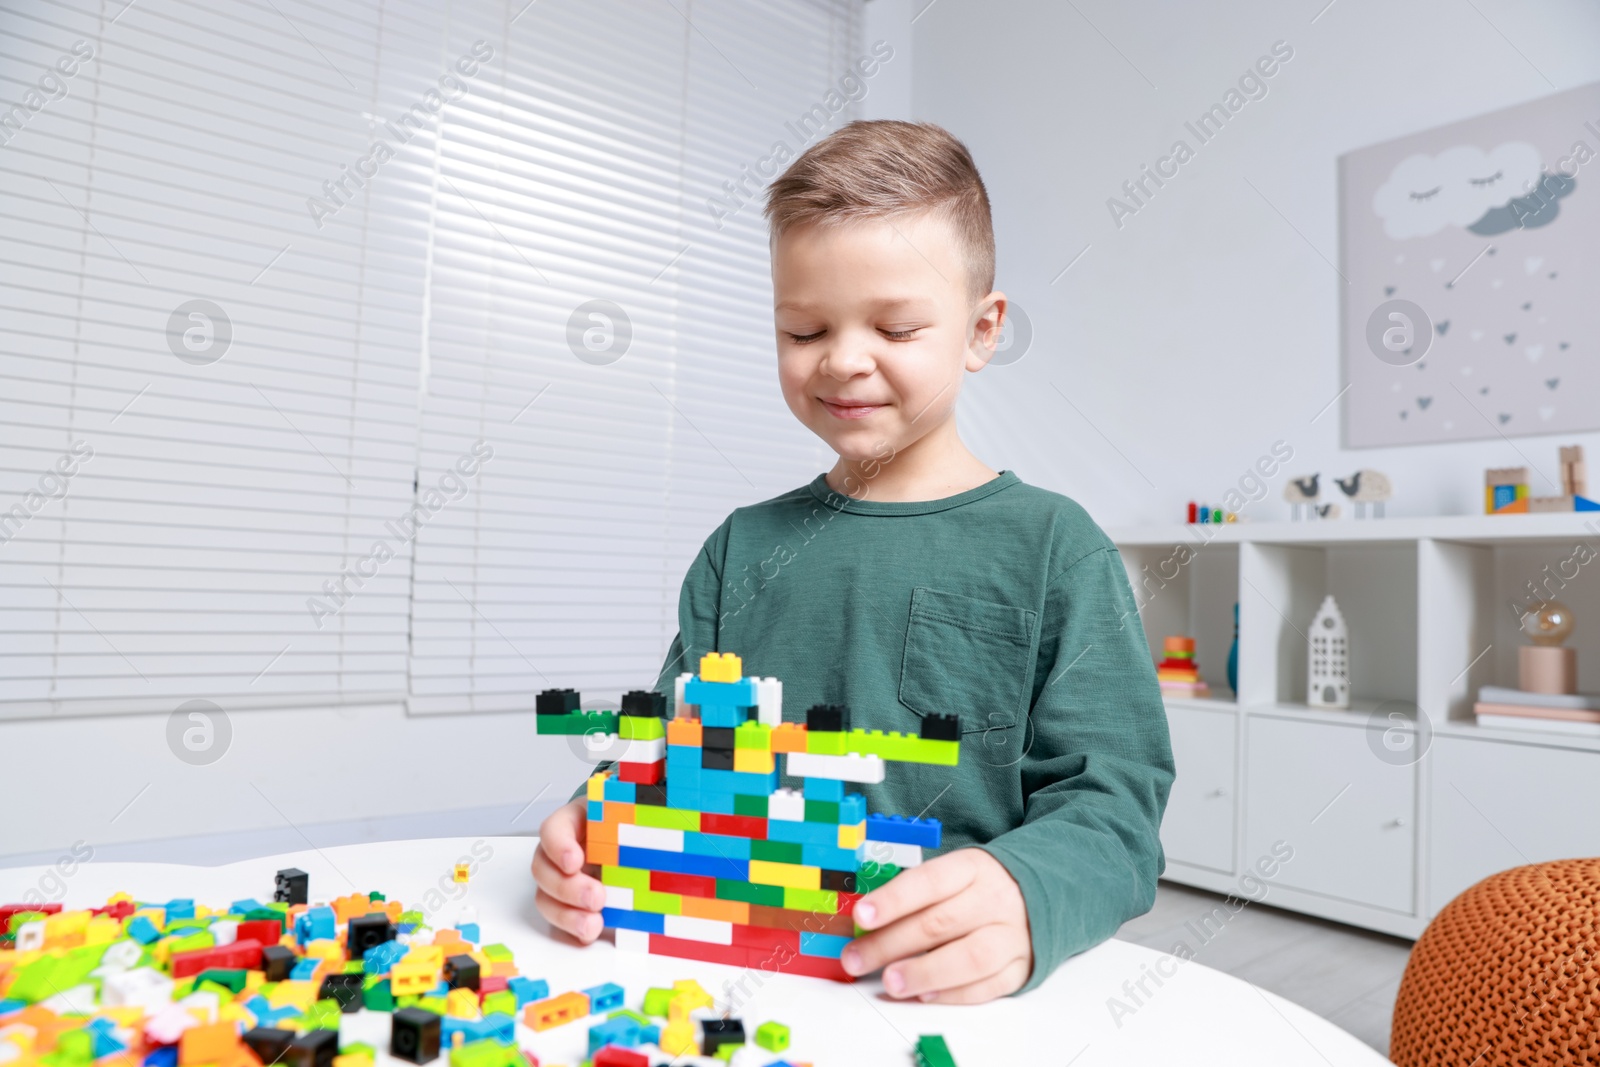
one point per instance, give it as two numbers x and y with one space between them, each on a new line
725 1052
75 1046
407 1001
23 917
436 1005
182 988
626 877
659 903
753 735
902 748
750 805
931 1051
750 893
191 942
33 980
230 978
825 743
378 995
497 952
504 1002
774 1037
871 875
776 851
355 967
577 723
359 1047
656 1001
821 901
375 895
822 811
666 818
414 918
640 727
261 914
487 1053
323 1015
638 1017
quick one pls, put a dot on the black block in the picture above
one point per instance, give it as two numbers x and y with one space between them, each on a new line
650 794
368 931
647 703
314 1048
839 881
268 1043
414 1035
717 737
556 702
716 759
292 886
828 718
461 972
277 962
714 1033
345 988
937 727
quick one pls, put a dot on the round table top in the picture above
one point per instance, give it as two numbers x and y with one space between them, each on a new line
1091 1011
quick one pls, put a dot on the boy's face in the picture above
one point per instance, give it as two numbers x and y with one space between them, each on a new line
874 328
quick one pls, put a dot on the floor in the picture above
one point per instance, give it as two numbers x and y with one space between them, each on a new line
1348 976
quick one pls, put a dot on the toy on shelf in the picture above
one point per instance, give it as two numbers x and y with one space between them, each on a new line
1205 514
177 984
701 853
1328 672
1233 653
1304 496
1506 490
1178 673
1366 488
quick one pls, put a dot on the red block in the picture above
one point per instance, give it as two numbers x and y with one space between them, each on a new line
120 910
692 885
662 945
814 967
243 954
749 826
266 931
8 910
616 1056
185 964
767 940
847 903
490 984
642 773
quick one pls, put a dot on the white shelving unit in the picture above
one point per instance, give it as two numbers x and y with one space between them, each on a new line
1398 804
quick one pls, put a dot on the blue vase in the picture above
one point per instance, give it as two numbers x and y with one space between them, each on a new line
1233 655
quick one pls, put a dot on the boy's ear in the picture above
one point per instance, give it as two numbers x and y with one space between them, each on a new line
983 329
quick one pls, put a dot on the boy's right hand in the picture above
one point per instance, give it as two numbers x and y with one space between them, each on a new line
568 897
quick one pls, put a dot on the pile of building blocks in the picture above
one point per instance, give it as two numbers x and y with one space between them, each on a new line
1178 673
177 984
1506 490
704 857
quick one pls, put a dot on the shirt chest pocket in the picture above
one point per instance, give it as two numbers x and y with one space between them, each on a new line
967 657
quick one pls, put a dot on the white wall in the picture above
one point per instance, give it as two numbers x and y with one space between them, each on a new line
1206 327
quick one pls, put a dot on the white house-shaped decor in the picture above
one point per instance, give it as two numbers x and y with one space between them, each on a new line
1328 676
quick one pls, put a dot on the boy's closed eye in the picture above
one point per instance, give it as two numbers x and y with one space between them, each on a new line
905 334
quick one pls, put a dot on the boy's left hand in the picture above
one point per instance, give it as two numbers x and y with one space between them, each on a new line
953 930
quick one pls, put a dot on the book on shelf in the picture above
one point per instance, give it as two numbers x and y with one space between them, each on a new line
1531 711
1531 724
1496 694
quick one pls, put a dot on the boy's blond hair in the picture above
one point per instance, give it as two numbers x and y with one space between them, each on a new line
881 169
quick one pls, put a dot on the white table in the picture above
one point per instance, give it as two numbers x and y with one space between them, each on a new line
1197 1016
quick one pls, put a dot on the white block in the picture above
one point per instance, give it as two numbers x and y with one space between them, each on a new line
79 1000
120 956
632 941
225 931
708 931
769 701
655 837
142 987
890 852
620 897
868 770
166 1026
635 750
787 804
30 936
679 706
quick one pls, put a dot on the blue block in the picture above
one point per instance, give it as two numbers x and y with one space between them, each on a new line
9 1006
270 1016
240 907
621 1031
717 803
528 990
829 857
315 924
650 1035
441 990
803 833
605 997
682 796
852 809
740 694
498 1026
595 811
379 959
828 946
1583 503
449 1026
683 765
621 792
683 863
726 717
469 932
303 970
721 845
899 830
829 789
165 1056
742 782
648 921
142 930
180 908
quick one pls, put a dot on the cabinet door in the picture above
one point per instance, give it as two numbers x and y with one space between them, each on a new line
1348 814
1497 806
1198 826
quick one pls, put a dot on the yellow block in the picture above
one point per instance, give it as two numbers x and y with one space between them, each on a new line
430 955
753 761
462 1004
300 994
790 875
677 1039
852 836
234 1012
597 785
102 930
325 949
408 978
721 667
254 980
352 1059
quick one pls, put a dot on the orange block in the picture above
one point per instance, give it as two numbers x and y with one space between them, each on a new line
789 737
604 853
447 937
602 831
617 812
728 911
207 1044
566 1008
503 969
684 732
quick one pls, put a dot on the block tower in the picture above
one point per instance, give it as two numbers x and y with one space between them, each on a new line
703 856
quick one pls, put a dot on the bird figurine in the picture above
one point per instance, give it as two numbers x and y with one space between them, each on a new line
1302 495
1366 487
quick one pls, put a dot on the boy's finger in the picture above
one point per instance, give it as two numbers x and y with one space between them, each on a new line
578 890
1004 982
943 921
559 838
964 961
912 890
581 924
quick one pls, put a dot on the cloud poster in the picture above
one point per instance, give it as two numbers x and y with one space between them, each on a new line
1471 259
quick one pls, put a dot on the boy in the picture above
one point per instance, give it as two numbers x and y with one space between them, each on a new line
912 579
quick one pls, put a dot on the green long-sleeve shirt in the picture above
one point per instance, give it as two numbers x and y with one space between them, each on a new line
1005 604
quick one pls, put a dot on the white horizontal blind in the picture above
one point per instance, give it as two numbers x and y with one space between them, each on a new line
220 496
582 176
